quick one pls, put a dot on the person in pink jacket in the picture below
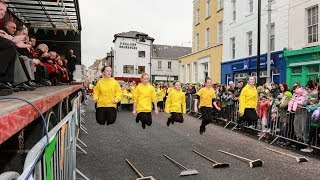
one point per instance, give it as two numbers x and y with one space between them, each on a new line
299 98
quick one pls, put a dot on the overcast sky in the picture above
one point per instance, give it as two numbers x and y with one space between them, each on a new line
168 21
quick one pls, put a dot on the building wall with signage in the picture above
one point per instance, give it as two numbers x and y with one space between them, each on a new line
240 27
303 65
241 69
303 55
131 58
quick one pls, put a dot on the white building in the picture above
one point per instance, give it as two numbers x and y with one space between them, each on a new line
240 27
298 24
240 36
165 61
303 54
132 55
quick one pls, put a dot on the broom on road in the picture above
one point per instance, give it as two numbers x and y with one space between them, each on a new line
186 171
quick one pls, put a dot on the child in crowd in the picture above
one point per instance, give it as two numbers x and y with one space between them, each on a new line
263 110
176 104
298 98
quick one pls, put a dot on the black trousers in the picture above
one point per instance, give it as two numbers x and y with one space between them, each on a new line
250 116
206 116
8 54
145 118
106 114
176 117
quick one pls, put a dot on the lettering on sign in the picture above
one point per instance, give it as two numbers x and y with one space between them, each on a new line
125 45
316 55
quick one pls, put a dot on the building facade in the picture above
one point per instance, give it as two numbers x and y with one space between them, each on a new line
241 69
303 55
165 61
205 59
240 39
93 72
132 55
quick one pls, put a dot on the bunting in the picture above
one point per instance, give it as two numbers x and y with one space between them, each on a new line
48 156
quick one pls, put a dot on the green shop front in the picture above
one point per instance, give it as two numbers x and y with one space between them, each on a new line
302 65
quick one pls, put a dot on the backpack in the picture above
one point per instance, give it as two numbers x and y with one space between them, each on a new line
316 116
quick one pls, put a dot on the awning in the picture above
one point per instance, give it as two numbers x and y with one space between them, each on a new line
47 14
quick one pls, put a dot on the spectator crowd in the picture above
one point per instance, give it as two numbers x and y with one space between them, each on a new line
26 65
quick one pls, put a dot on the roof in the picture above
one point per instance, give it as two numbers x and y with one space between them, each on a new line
47 14
169 52
132 34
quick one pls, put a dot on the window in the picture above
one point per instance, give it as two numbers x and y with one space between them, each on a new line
220 4
141 69
313 69
129 69
169 64
234 12
220 32
296 70
233 47
313 24
197 42
142 54
250 6
159 64
197 16
249 38
208 8
142 38
207 37
272 38
206 67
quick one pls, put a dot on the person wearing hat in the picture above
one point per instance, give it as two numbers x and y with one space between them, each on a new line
299 98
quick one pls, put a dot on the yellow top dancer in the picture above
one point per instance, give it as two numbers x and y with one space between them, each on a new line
176 104
107 93
207 97
143 97
248 102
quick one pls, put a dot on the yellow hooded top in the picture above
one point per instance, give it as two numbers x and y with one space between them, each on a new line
206 96
176 102
248 98
159 94
106 92
126 97
143 96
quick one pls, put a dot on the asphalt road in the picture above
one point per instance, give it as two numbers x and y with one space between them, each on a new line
109 146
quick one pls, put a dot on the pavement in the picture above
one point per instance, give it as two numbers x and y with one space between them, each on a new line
109 146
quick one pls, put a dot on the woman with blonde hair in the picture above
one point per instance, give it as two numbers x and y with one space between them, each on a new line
143 97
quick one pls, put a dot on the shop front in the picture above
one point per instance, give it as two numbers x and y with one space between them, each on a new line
239 70
302 65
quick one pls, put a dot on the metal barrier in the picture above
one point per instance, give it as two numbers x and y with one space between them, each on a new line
190 99
294 127
55 159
